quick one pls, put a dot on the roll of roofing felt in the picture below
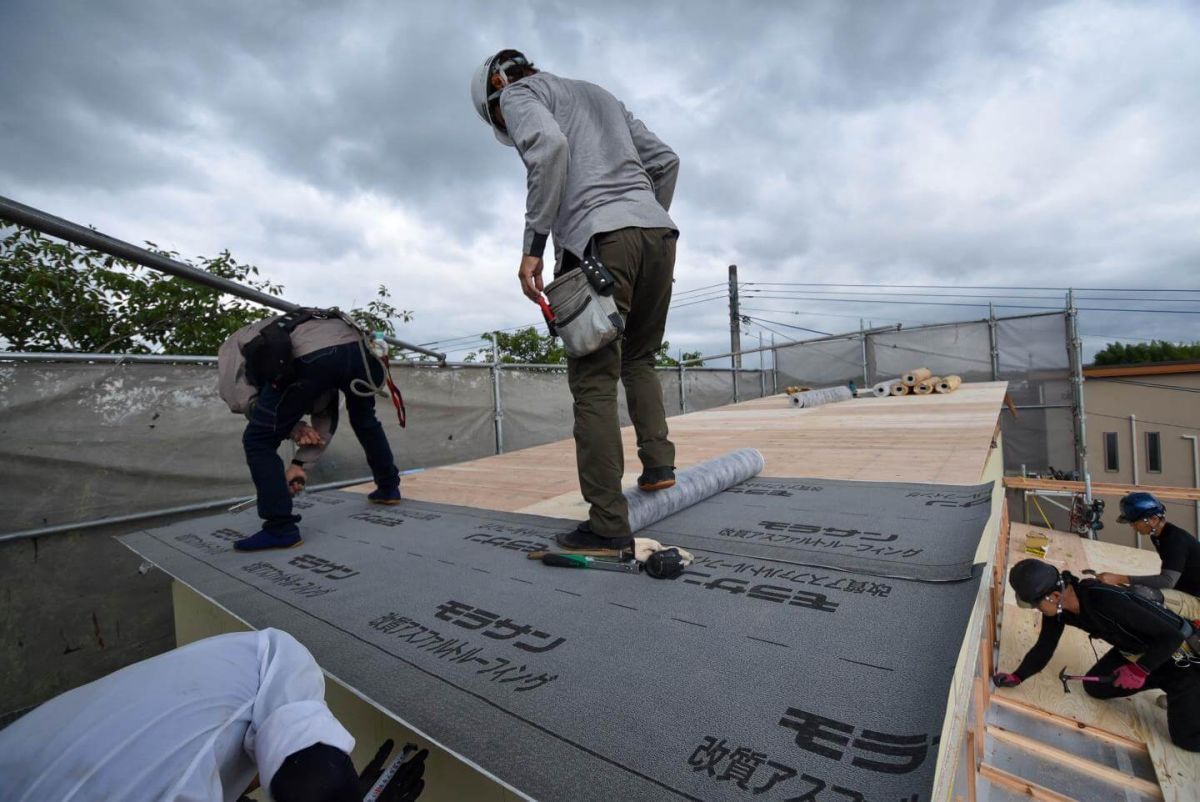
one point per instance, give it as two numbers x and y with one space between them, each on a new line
925 386
900 388
912 377
948 384
884 388
826 395
692 485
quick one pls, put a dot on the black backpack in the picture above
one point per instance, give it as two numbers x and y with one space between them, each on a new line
269 355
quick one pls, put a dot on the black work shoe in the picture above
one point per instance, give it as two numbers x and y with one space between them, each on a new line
583 539
657 478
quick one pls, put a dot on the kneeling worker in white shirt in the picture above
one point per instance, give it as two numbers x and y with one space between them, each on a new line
196 723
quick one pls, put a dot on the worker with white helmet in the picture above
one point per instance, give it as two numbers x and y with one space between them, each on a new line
601 183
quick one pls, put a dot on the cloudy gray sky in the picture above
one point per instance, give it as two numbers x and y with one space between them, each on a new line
1007 143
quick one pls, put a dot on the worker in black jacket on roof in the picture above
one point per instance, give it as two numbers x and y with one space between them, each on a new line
1151 646
1178 549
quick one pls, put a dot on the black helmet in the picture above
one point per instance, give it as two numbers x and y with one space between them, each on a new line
1032 580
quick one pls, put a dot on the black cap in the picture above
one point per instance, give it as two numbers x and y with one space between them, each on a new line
1031 580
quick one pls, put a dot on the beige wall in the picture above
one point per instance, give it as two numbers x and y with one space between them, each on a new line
1109 404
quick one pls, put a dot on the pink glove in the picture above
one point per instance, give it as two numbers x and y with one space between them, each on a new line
1130 676
1003 680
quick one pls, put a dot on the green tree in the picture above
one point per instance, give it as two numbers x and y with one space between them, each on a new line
58 296
1138 353
524 346
379 314
527 346
662 359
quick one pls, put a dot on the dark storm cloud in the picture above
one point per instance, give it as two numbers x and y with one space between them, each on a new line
986 143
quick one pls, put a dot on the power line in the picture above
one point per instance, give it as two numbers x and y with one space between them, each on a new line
832 314
790 326
1042 297
758 294
1124 337
868 301
1155 385
700 301
969 287
759 324
1142 420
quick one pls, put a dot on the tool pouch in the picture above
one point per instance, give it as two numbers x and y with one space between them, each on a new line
586 319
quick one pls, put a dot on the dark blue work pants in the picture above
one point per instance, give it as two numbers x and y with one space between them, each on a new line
279 410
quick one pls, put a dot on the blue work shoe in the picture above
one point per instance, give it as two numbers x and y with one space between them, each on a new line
263 539
381 496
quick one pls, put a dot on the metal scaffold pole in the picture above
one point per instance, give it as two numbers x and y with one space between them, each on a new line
735 330
496 406
993 343
53 226
1075 352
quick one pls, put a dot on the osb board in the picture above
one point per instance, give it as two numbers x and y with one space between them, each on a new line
1137 717
871 439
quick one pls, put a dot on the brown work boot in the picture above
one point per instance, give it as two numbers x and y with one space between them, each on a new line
657 478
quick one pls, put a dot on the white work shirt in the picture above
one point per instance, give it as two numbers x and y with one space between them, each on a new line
193 724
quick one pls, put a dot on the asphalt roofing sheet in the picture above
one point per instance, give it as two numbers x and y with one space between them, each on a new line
776 668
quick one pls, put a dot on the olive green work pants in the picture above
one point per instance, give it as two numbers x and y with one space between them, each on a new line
642 262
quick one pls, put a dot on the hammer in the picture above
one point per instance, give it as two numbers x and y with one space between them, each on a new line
1064 677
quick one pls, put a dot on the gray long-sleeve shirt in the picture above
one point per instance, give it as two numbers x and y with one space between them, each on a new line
592 166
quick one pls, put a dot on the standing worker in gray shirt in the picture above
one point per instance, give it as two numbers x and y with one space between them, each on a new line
602 183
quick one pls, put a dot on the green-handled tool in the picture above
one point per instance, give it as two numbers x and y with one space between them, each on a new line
583 561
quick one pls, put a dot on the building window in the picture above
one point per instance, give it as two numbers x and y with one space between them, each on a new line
1111 463
1153 452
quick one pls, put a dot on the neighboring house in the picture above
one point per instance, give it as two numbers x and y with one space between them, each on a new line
1143 422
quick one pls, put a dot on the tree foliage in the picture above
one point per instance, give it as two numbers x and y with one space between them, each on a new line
1155 351
527 346
58 296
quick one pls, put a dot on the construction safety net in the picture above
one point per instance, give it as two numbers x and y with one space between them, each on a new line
1029 352
84 441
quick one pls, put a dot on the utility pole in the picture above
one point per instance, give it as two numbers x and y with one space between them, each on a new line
735 320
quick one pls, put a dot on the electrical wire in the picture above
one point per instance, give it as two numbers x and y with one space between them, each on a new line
869 301
790 326
1142 420
1040 297
1155 385
970 287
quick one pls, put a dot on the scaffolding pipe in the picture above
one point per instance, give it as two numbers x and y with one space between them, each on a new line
993 343
53 226
1075 352
497 407
142 516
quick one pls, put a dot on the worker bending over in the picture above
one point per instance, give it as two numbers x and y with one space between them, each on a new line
1177 585
1151 646
602 183
276 371
196 723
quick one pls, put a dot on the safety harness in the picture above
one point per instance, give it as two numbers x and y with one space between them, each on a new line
269 356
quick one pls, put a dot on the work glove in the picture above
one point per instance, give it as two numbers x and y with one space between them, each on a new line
1004 680
1130 676
407 783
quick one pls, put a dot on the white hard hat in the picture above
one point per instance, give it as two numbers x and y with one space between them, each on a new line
482 93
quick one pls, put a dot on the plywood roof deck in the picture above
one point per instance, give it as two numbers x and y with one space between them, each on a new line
939 439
